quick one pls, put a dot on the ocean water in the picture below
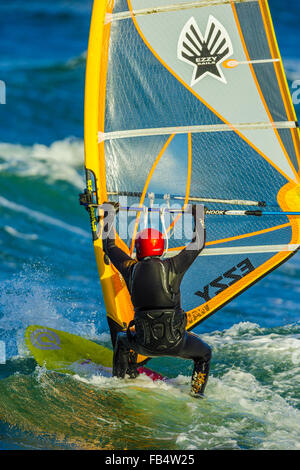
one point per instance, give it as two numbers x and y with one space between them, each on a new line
48 275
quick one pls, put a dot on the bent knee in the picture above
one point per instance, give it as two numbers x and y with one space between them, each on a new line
208 353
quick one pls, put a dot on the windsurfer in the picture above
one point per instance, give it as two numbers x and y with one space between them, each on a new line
154 285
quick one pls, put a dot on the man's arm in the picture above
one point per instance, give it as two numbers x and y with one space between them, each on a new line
187 256
117 256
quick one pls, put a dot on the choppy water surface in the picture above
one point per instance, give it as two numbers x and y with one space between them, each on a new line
49 276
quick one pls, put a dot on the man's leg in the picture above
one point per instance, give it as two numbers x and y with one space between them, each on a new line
191 347
124 360
121 356
194 348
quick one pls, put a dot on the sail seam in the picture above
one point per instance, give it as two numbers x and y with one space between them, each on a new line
104 136
111 17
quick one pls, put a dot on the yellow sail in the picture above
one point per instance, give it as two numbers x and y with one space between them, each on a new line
189 101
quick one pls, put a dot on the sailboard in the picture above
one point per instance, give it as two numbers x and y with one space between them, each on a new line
187 102
67 353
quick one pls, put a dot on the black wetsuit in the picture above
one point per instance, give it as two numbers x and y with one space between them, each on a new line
154 285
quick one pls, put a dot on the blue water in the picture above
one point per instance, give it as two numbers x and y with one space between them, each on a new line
49 275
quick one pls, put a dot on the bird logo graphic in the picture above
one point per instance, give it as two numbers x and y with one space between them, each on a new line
207 53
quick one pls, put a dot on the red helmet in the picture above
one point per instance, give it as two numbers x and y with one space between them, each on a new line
149 242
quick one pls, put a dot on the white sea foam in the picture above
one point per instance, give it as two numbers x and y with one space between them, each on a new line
276 424
292 69
265 345
61 161
28 298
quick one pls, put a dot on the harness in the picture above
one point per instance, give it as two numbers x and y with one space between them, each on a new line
158 330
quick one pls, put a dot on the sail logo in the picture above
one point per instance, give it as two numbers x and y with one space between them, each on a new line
236 273
206 54
45 339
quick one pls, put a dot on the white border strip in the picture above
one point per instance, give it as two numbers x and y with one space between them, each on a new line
242 250
164 9
102 136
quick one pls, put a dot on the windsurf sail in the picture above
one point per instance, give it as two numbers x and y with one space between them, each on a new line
187 101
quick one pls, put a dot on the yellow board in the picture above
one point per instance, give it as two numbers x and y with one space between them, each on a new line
64 352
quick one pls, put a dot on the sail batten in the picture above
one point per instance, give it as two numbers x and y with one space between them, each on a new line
195 129
169 8
242 250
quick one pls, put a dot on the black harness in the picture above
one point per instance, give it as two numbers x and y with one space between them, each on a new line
158 330
158 327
